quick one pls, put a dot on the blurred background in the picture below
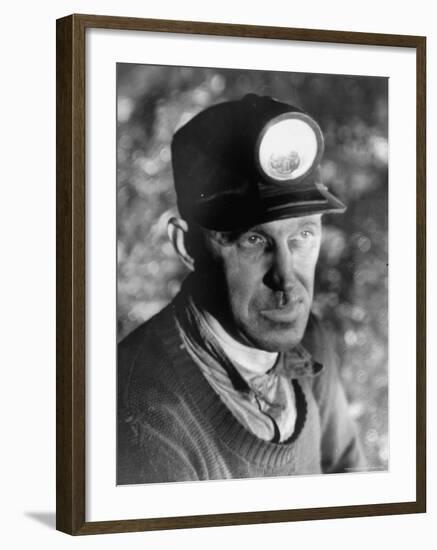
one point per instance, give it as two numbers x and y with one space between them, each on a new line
351 280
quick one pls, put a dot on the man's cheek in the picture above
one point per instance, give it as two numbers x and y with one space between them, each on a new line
240 295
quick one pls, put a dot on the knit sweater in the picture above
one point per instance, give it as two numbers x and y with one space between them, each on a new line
172 426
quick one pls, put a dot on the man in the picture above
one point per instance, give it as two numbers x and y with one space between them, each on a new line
236 377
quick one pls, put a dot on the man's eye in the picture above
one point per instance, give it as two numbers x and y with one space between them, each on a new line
306 233
253 240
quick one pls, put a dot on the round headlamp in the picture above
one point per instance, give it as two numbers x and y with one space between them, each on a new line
289 147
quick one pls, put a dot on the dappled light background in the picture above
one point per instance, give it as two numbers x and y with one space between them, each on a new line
351 282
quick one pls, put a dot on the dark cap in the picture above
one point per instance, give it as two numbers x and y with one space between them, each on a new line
240 163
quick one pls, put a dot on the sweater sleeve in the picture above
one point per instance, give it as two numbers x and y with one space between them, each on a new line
340 446
153 444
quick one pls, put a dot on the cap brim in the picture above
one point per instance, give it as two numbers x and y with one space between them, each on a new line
234 215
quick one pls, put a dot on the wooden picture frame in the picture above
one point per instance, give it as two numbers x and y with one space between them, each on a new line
71 273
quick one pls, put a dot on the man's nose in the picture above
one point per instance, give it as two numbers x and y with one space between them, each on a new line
282 275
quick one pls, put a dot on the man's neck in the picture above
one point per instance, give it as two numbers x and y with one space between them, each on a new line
250 361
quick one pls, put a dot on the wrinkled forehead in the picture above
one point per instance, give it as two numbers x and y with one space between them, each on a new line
287 225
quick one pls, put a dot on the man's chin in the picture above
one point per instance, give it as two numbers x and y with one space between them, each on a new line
282 338
279 345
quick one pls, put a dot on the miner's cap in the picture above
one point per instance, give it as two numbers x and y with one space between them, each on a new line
250 161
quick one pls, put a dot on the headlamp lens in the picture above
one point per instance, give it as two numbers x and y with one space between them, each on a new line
288 149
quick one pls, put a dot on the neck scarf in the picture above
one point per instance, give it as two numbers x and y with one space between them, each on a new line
264 403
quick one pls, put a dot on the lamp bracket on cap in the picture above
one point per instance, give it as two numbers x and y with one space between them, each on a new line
288 148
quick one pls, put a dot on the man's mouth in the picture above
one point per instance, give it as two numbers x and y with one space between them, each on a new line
287 313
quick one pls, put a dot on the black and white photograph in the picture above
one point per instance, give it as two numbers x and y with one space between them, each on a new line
252 274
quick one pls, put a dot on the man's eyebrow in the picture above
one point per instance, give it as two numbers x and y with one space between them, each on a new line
231 236
254 229
235 234
264 231
310 223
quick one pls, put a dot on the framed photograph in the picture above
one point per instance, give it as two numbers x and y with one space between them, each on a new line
240 274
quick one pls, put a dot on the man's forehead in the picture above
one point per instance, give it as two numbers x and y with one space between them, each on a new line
287 224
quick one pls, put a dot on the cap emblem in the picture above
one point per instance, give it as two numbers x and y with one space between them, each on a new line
284 165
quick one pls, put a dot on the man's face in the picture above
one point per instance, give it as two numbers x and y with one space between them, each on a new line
260 281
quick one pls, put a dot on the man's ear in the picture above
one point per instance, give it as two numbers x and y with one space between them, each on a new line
177 230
